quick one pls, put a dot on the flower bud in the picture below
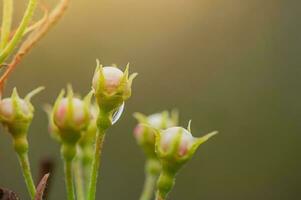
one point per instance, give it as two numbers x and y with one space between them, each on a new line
16 113
71 116
143 132
176 145
111 86
171 135
112 78
78 117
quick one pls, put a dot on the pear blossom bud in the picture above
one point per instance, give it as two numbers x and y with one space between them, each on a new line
16 113
71 116
112 78
176 145
170 135
143 132
111 86
78 117
7 110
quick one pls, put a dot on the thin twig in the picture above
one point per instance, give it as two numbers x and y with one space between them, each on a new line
6 22
20 31
33 38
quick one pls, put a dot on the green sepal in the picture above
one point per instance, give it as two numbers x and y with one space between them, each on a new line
88 135
174 115
34 92
54 131
189 126
141 118
147 145
197 143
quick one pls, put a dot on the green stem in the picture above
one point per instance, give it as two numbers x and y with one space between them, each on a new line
96 164
24 162
148 188
69 179
32 4
159 197
165 184
86 166
79 180
6 22
152 171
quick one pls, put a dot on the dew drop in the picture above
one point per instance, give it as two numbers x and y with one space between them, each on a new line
118 113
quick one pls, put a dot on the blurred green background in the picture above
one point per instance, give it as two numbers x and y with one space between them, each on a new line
232 66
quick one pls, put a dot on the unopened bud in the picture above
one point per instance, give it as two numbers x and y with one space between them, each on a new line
111 86
77 116
143 132
176 145
112 78
71 116
16 113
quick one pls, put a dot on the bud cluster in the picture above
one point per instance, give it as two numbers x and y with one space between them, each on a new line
161 138
144 134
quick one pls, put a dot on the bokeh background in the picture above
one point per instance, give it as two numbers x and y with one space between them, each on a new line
232 66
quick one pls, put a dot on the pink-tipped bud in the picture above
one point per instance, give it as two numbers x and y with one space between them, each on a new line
111 86
169 137
112 78
78 116
16 113
74 115
144 134
71 116
8 112
138 132
178 144
174 147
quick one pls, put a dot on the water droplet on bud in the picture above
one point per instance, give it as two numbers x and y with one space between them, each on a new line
118 113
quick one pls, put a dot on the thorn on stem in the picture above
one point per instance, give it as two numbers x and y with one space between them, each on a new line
41 188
